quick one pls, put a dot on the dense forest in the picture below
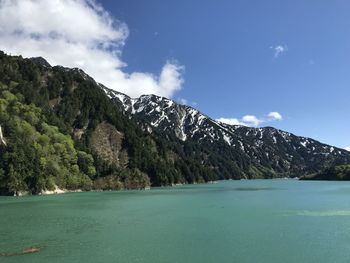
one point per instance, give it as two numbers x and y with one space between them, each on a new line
37 155
335 173
49 117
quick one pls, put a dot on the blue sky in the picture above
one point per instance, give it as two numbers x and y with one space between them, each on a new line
231 69
245 61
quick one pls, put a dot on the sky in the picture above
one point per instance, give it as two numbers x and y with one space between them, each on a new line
257 63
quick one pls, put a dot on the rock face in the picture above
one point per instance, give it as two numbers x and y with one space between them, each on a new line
274 151
107 141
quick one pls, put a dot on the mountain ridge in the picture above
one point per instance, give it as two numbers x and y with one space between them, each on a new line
150 112
159 113
69 104
78 134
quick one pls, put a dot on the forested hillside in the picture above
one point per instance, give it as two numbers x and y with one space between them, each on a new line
49 116
335 173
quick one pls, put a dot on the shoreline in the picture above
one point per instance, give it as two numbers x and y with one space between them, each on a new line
58 190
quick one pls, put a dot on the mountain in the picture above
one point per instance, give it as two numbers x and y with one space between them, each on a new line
258 152
62 129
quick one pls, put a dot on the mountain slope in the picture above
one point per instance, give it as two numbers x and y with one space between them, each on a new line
258 152
75 109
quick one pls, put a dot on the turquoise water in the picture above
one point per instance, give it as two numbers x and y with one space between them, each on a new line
232 221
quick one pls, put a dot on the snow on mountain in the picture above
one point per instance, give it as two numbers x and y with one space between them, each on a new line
277 148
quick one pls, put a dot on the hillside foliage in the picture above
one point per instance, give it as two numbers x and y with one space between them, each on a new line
43 108
335 173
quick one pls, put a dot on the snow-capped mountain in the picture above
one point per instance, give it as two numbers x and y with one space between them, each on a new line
268 149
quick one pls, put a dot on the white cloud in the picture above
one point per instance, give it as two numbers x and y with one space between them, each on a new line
279 50
184 101
274 116
80 33
347 148
251 120
230 121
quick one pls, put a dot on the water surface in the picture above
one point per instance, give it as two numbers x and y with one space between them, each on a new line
231 221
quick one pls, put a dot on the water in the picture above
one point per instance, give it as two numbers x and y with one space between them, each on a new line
232 221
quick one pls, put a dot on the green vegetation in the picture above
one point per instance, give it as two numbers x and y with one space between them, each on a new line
37 156
338 172
48 116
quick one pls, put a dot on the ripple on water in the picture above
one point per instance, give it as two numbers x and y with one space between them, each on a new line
327 213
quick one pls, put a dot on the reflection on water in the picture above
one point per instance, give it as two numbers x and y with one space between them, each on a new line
320 213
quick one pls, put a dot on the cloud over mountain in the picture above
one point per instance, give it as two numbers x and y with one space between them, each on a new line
80 33
252 120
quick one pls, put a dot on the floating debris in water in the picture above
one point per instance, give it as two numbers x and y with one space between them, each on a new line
29 250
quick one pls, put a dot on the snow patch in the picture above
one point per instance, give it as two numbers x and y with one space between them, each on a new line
227 139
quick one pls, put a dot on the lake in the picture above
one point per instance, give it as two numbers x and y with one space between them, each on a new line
231 221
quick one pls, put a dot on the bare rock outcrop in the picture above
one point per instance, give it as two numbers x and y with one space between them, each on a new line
2 139
107 142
